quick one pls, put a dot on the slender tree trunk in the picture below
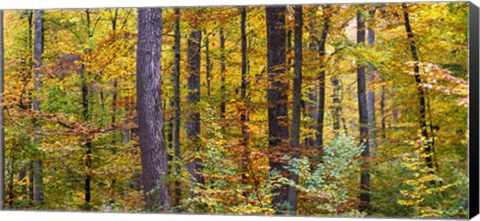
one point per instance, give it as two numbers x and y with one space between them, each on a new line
149 109
38 51
176 101
321 80
363 113
372 124
382 110
277 98
193 99
85 105
311 106
208 65
2 129
297 98
428 149
222 74
243 94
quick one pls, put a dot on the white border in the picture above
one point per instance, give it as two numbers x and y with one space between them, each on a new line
74 216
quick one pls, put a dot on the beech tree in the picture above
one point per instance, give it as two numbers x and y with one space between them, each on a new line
149 108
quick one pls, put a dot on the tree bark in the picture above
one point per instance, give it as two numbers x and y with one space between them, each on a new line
297 98
149 108
277 98
372 124
208 64
321 80
363 114
85 105
428 149
37 53
222 74
193 99
176 101
311 106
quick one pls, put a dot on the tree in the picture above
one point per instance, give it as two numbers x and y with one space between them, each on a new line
149 108
277 97
297 98
321 80
193 99
428 147
372 125
363 114
176 101
37 54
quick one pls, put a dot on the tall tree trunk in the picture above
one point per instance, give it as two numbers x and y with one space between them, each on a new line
321 80
85 105
176 101
311 106
277 98
297 98
382 110
243 93
38 51
372 124
222 74
193 99
2 129
428 149
363 114
149 108
208 65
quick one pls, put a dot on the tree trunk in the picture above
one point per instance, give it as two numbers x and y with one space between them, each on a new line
222 73
363 114
2 129
149 108
297 98
428 149
311 106
208 64
372 125
38 51
85 105
321 80
277 98
193 99
176 101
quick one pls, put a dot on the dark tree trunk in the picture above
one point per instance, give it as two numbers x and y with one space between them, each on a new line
176 101
193 99
297 98
243 92
277 98
428 149
208 64
37 54
2 130
321 80
372 124
149 109
382 110
222 74
363 113
85 105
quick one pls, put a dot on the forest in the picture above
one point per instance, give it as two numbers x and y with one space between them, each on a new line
352 110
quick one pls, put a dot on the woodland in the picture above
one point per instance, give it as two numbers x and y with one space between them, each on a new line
305 110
